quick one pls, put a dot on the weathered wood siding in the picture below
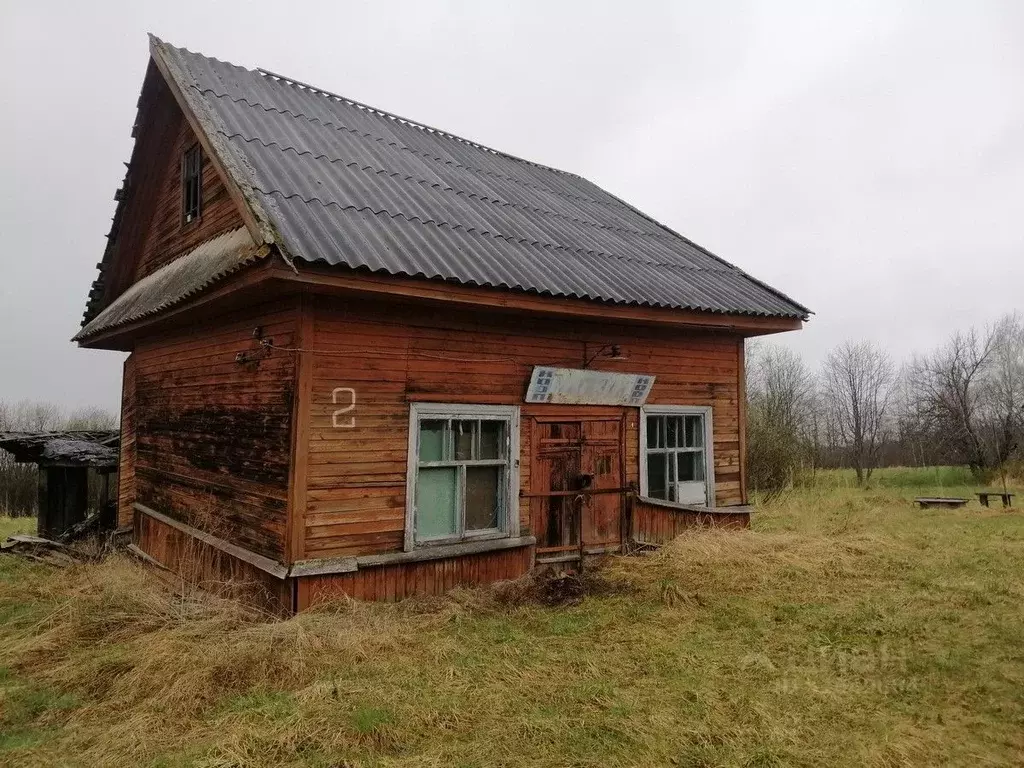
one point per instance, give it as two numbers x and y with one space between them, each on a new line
197 564
431 577
213 436
126 462
152 231
656 522
393 355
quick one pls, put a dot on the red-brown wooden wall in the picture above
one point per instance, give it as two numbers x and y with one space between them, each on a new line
394 355
213 436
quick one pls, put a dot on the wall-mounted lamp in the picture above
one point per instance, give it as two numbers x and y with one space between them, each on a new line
607 352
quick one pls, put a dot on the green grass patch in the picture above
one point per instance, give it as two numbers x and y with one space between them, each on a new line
9 526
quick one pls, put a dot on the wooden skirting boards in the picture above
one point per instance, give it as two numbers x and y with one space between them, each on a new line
396 575
265 564
327 566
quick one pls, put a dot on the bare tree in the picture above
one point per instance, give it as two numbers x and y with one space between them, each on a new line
1003 394
970 391
858 386
780 416
92 418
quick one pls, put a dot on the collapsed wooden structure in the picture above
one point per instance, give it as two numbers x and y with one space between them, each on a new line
66 461
372 358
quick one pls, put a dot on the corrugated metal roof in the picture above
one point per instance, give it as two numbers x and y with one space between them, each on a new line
342 183
172 283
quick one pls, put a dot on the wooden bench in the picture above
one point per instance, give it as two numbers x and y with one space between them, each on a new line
929 502
1006 497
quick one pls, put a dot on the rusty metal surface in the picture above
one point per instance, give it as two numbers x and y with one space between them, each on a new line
174 282
346 184
575 386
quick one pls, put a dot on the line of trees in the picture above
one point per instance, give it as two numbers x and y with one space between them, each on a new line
19 482
962 403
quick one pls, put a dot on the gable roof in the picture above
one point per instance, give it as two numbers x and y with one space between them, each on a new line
333 181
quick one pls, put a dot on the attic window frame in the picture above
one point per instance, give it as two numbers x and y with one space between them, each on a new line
192 200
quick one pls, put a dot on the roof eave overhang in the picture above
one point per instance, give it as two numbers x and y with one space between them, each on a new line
340 280
274 277
238 288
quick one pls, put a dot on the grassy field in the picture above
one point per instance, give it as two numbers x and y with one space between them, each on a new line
847 628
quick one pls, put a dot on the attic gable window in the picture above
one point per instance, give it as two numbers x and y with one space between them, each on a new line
191 184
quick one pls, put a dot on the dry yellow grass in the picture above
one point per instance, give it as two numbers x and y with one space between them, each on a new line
847 628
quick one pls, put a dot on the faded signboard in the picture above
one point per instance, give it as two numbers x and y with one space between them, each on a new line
580 387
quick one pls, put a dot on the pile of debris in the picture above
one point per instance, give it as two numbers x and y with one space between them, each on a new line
83 542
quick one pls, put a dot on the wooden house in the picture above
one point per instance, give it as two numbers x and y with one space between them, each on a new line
371 357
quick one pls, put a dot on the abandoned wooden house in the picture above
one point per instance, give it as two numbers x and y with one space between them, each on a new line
371 357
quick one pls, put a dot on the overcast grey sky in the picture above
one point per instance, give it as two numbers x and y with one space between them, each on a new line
865 158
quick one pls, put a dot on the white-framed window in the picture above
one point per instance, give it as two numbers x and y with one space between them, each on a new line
463 477
676 454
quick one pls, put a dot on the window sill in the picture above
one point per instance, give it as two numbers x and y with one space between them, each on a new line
679 507
441 551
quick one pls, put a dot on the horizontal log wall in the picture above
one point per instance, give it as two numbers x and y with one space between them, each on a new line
392 355
196 564
432 577
213 436
655 523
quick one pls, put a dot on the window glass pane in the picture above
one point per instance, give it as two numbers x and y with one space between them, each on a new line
657 486
694 431
691 466
464 431
483 497
674 431
492 440
436 502
431 440
653 428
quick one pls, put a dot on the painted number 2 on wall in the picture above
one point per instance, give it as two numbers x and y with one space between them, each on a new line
338 418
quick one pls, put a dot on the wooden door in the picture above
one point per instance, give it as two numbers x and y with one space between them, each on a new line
577 481
601 464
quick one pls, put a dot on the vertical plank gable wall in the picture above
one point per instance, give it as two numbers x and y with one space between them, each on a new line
167 236
391 356
152 232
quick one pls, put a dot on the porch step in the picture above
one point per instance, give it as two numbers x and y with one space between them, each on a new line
568 557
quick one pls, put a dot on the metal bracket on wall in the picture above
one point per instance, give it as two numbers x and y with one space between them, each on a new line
262 351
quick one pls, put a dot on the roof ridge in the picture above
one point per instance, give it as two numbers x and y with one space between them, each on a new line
263 72
407 121
484 232
444 186
406 148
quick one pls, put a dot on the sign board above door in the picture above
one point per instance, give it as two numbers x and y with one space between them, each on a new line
573 386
